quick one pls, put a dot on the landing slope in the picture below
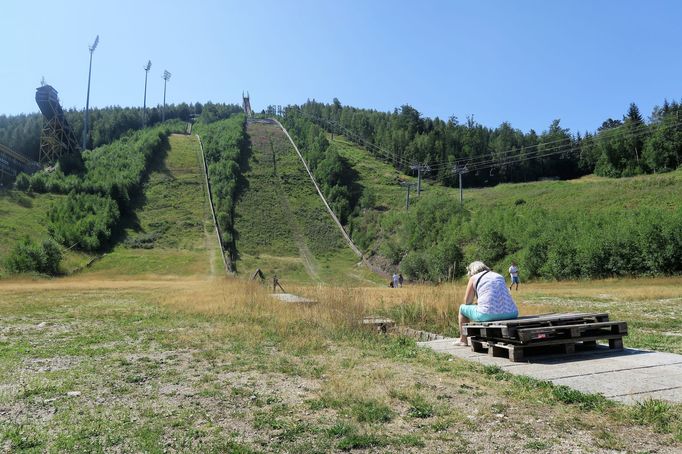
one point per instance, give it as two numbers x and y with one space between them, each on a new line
282 225
171 232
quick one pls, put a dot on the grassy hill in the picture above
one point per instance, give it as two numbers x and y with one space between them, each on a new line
590 193
610 226
22 215
171 231
281 223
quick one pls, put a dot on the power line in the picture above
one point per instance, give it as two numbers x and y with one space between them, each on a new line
499 157
484 159
488 164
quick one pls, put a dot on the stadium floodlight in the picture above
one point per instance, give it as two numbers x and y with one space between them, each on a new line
147 67
87 99
166 77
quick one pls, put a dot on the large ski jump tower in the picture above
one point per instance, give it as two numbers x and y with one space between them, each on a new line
57 138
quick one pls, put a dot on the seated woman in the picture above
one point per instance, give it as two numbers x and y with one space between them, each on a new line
494 300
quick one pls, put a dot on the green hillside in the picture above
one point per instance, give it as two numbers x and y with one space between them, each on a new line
25 214
281 223
585 228
589 193
172 231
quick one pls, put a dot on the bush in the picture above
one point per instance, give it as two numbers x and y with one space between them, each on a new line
22 182
27 256
85 220
415 266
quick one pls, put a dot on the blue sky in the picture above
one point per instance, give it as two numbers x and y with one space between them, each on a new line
526 62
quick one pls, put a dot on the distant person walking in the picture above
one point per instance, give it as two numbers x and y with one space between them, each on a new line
396 280
494 302
514 273
400 280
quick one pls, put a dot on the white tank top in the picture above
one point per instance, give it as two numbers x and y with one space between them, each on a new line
493 295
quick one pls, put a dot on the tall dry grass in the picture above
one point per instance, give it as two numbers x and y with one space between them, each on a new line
427 307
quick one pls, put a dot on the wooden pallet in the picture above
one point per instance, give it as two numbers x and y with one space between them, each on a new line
571 331
517 352
508 329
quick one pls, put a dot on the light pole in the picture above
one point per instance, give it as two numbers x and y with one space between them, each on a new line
144 103
166 76
87 99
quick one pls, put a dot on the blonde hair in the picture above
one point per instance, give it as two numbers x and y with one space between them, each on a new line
476 267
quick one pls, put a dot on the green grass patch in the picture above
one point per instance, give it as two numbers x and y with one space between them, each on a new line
371 411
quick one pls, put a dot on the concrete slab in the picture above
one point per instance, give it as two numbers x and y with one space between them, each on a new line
628 376
291 298
670 395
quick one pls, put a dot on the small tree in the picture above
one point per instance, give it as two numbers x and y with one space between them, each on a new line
22 182
27 256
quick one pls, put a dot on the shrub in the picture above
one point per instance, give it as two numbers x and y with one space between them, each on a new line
86 220
22 182
415 266
27 256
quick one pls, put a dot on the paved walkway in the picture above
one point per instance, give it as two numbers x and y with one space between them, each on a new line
627 376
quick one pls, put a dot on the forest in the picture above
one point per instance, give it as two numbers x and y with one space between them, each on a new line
22 132
489 156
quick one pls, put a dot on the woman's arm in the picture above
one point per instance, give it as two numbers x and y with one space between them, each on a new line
469 292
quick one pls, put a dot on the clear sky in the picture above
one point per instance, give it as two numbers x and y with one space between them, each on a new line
526 62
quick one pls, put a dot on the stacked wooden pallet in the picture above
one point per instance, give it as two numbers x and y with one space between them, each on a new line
544 334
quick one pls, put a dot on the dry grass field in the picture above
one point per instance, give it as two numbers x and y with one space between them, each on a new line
166 364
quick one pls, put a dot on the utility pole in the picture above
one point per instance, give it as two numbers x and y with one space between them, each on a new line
407 185
87 99
166 76
420 168
460 171
144 103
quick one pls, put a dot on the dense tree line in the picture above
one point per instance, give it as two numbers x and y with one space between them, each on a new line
618 148
337 178
22 132
226 147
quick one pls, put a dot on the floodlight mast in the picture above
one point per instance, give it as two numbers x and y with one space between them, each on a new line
87 99
147 67
166 77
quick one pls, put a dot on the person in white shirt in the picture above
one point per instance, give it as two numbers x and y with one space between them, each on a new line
494 302
514 273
